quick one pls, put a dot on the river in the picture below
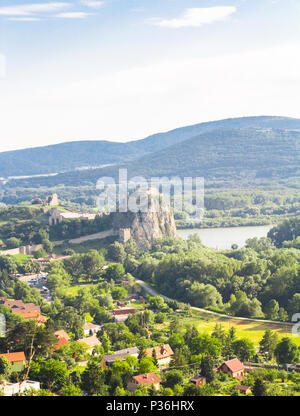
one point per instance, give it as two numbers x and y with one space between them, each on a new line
223 238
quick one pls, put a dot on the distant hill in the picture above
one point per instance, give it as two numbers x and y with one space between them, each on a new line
65 157
160 141
223 154
70 156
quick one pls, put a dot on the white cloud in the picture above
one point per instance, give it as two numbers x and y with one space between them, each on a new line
94 4
73 15
24 19
31 9
138 101
196 17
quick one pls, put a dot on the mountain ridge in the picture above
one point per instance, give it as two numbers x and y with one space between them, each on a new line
73 155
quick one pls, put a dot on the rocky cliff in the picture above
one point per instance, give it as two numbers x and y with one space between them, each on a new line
148 225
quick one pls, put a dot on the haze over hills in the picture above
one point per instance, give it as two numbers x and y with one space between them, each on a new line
223 154
70 156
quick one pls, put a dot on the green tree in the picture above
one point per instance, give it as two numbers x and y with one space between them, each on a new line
259 388
71 390
106 344
244 349
5 367
172 378
93 380
147 365
53 374
272 310
207 368
115 271
268 343
286 351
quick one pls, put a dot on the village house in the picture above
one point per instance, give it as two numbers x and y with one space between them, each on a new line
9 389
121 314
149 379
243 389
109 359
62 337
40 319
17 360
233 367
19 306
163 354
91 329
91 342
26 310
198 380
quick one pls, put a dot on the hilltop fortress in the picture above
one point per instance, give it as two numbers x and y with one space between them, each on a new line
143 226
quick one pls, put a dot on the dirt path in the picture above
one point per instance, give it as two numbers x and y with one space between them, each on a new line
96 236
155 293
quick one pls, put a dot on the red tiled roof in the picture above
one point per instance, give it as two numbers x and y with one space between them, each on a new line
234 365
14 356
62 334
61 342
32 315
148 378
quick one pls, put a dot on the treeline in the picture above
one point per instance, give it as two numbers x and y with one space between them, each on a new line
72 228
258 280
287 232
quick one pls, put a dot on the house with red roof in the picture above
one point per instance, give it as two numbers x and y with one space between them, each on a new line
148 379
62 337
33 315
17 360
233 367
198 380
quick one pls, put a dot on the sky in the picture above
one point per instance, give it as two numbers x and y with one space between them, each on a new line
124 69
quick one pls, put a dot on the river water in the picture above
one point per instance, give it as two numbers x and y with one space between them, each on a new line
223 238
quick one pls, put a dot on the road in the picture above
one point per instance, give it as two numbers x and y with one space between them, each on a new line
153 292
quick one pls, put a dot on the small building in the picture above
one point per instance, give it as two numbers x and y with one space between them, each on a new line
90 328
9 389
243 389
62 337
17 360
36 316
148 379
198 380
109 359
121 314
233 367
163 354
91 342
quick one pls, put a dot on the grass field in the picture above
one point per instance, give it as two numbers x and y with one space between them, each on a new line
252 330
86 246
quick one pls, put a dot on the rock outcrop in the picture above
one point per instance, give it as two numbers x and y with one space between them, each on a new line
148 225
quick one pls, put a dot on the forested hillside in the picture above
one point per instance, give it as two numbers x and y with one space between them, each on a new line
225 155
94 153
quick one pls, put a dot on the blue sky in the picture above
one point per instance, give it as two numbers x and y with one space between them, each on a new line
124 69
